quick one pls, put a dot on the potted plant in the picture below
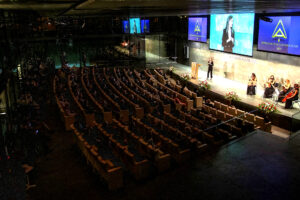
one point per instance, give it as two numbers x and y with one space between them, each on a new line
266 109
171 69
231 96
203 86
186 77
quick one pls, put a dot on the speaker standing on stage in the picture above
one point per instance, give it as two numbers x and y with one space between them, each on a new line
210 68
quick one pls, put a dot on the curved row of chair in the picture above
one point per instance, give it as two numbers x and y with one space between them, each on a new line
129 140
66 118
138 165
256 120
89 117
139 111
107 115
162 142
111 173
123 114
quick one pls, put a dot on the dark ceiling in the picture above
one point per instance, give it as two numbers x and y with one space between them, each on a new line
149 7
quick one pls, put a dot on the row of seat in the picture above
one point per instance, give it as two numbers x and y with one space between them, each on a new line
66 118
112 174
160 141
258 121
160 159
123 114
189 103
190 140
188 93
146 138
89 116
136 108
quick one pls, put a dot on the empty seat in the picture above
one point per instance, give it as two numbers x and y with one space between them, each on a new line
217 105
213 111
240 113
249 117
221 115
232 110
224 107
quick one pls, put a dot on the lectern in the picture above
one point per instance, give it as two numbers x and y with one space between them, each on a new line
195 68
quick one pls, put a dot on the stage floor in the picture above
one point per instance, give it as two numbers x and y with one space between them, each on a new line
222 85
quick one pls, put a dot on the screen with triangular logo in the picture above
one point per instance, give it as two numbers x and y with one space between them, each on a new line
145 26
282 35
126 27
197 29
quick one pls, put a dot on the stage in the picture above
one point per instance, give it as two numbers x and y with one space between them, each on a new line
221 85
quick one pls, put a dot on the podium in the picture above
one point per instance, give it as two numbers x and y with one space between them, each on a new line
195 68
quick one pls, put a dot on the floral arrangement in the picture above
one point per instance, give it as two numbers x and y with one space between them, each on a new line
171 69
232 96
267 107
186 77
204 85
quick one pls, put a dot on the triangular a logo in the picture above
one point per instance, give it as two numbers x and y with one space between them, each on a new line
279 31
197 28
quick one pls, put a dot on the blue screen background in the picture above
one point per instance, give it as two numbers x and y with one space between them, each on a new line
196 35
243 26
126 26
138 25
145 26
290 27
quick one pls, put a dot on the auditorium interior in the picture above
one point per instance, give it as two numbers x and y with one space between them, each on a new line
152 99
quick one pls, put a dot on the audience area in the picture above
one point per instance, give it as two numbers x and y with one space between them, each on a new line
143 122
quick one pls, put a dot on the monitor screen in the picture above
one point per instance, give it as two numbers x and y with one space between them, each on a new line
125 26
232 33
197 29
135 25
282 35
145 26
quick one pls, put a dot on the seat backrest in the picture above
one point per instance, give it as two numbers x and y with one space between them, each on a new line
232 110
240 112
205 108
217 104
259 121
249 117
220 115
213 111
224 107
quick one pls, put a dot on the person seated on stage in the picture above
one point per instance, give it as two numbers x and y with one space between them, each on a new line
286 88
252 85
291 96
270 87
